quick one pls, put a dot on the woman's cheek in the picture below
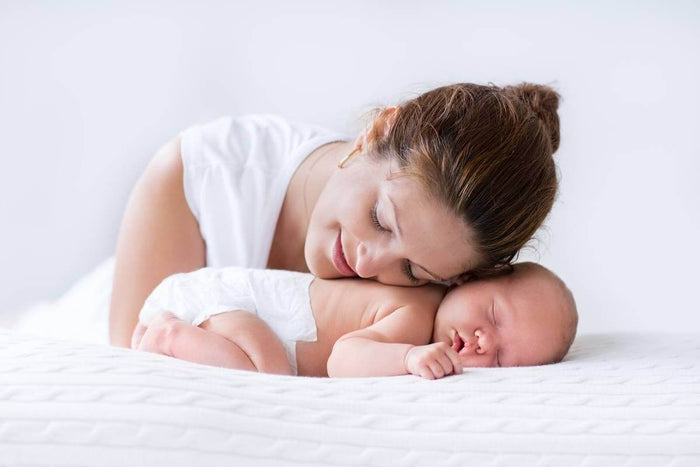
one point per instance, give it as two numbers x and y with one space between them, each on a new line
317 251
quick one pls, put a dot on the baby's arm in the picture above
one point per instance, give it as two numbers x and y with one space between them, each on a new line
236 339
395 345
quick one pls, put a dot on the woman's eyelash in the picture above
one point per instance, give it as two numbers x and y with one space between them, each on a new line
375 219
406 264
409 272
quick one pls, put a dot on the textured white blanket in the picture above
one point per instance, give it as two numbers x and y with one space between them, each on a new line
630 400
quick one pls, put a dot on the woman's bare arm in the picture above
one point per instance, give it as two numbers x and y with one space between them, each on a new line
159 236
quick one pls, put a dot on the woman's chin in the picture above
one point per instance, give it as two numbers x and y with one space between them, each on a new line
320 266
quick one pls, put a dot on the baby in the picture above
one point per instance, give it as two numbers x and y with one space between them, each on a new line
293 323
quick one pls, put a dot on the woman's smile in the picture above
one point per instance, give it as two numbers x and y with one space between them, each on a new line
339 259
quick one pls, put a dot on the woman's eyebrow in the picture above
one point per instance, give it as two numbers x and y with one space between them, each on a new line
395 214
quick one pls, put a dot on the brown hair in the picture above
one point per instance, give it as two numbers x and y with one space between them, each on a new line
486 153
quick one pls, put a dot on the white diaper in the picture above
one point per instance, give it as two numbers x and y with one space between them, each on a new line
280 298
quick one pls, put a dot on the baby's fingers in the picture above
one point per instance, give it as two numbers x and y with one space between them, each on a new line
454 359
425 372
445 363
437 369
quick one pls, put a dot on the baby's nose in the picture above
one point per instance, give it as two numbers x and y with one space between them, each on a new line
482 341
471 343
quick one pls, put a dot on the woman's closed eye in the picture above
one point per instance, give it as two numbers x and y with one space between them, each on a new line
409 272
495 325
375 220
406 264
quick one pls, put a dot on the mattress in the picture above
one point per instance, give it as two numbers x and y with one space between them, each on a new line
631 400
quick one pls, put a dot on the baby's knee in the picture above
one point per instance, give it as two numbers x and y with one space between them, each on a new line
254 337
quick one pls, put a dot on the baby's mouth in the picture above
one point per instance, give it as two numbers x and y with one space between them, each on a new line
457 343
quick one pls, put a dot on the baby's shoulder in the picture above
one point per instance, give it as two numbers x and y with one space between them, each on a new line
426 295
376 300
389 298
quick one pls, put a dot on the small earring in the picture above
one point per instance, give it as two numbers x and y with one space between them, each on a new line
346 158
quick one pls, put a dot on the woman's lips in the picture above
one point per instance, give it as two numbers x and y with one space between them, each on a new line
339 260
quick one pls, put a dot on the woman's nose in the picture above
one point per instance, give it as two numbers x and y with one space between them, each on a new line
363 263
369 262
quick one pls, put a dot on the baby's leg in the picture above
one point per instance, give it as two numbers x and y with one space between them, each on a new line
194 344
235 339
254 337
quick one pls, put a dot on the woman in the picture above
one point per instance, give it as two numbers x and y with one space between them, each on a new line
454 181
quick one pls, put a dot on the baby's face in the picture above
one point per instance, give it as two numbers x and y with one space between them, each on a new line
521 319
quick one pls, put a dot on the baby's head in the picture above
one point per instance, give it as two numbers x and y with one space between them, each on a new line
524 318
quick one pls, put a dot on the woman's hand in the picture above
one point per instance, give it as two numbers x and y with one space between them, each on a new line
432 361
158 336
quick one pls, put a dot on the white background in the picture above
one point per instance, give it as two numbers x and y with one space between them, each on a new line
90 90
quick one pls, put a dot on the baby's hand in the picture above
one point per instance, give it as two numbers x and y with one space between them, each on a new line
432 361
157 336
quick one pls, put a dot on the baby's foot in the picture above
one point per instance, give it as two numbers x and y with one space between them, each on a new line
158 335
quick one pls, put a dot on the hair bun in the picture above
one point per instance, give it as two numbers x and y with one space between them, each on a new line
544 102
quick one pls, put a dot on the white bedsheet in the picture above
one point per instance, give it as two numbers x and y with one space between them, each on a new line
630 400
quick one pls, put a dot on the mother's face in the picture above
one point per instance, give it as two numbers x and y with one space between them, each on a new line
372 224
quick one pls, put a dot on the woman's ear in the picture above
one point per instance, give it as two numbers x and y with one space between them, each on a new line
361 140
379 128
390 114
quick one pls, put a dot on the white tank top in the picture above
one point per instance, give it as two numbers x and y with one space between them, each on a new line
236 174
